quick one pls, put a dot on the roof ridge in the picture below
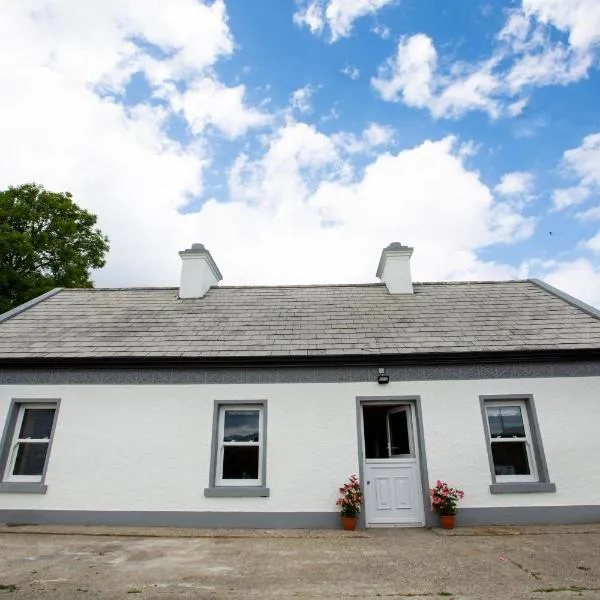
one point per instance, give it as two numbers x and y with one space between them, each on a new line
301 285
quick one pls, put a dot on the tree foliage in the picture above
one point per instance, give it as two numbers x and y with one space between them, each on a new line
46 241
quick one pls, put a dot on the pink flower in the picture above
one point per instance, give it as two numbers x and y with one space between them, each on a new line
444 498
351 496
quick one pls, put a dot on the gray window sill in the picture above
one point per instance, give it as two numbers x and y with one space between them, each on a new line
14 487
237 492
533 487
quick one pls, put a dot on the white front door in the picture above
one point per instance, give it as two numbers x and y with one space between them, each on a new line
391 475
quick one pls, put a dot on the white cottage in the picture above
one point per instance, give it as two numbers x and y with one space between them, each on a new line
249 406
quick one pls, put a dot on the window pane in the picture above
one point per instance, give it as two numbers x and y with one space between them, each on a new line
510 458
240 462
399 438
30 459
505 421
241 426
37 423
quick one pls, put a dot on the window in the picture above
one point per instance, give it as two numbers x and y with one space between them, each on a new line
514 446
238 450
510 439
239 446
26 446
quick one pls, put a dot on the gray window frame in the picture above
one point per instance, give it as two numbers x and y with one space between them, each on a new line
19 487
220 491
543 484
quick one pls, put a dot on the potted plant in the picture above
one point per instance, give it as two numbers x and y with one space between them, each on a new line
444 501
350 501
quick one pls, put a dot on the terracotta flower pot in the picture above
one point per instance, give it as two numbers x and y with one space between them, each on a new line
447 521
349 523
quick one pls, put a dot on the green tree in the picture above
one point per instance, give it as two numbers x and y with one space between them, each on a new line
46 241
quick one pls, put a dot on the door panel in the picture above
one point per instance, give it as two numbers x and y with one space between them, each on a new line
391 494
402 492
382 493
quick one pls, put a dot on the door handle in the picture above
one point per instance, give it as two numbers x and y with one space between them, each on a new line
368 483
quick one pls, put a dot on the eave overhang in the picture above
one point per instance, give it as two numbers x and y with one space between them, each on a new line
288 361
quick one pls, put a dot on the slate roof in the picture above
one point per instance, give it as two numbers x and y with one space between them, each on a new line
298 320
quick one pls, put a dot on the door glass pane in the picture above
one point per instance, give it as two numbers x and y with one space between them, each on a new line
510 458
505 421
37 423
399 438
240 462
375 429
241 426
30 459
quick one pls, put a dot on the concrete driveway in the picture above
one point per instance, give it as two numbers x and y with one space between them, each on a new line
547 563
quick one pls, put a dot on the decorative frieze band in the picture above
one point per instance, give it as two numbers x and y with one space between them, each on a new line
303 374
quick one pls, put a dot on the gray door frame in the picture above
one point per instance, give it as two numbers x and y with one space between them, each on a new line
415 402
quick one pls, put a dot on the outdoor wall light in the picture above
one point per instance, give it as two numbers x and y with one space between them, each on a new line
382 377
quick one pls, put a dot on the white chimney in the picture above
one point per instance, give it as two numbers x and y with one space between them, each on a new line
394 268
198 272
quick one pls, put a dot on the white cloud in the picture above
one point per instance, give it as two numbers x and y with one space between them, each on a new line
351 71
517 107
527 128
296 212
63 123
593 244
515 184
300 198
583 164
373 136
584 161
300 99
566 197
552 65
411 77
589 215
468 149
408 76
473 89
208 102
516 30
382 31
310 14
526 56
579 18
101 46
378 135
337 15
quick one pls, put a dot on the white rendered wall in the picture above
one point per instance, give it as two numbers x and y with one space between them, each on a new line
148 447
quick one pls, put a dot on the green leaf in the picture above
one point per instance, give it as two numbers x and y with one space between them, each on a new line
46 241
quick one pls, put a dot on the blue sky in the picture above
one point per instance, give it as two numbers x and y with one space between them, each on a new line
297 138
